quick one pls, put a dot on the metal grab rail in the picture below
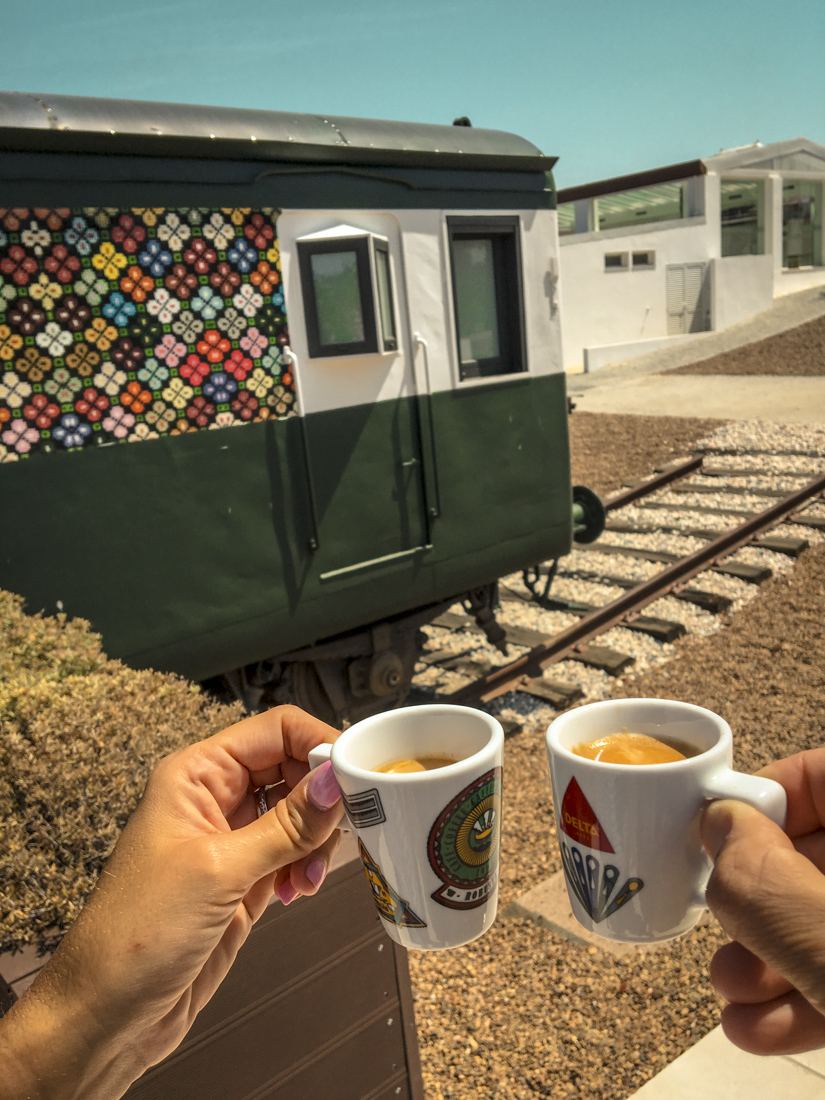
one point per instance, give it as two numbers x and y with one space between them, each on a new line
314 540
430 462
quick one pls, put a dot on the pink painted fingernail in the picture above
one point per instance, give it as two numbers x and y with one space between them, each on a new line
316 872
287 892
323 789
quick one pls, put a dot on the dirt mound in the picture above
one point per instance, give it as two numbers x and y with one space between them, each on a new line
799 351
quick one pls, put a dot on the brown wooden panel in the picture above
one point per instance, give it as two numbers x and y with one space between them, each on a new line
289 941
281 1035
370 1064
306 1004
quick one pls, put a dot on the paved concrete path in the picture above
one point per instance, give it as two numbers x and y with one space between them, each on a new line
786 399
639 388
714 1069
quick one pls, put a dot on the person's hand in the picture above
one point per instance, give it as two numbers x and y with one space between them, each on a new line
768 892
191 873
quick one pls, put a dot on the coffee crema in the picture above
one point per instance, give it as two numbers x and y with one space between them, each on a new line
635 748
424 762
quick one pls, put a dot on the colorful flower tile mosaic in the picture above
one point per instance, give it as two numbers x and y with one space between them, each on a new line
127 325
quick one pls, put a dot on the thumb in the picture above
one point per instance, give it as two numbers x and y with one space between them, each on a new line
766 895
294 827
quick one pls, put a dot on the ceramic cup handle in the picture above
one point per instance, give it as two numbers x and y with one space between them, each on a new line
316 758
763 794
318 755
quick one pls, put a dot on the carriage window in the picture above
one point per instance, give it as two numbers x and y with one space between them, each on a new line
385 310
338 300
487 296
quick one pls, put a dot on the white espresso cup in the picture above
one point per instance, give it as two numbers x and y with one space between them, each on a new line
429 840
633 859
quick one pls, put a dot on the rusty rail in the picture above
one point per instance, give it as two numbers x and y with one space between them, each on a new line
506 677
627 496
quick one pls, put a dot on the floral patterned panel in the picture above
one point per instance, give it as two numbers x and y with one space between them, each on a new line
125 325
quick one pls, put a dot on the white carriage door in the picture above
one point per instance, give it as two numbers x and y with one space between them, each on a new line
688 298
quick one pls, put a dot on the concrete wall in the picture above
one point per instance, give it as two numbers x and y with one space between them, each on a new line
788 282
602 356
601 307
741 287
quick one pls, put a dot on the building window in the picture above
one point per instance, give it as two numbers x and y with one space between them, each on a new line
567 218
658 203
801 223
743 217
487 298
644 260
615 261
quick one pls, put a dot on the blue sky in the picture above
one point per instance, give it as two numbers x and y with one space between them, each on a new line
608 86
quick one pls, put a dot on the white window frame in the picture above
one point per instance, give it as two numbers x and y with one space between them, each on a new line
345 234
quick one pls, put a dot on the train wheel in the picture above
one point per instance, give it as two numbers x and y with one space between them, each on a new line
307 691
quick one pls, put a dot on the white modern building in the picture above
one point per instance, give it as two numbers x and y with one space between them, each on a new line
648 259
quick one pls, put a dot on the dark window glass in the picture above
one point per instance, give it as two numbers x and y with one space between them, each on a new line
615 259
385 310
337 298
337 289
660 202
801 223
743 217
567 218
487 296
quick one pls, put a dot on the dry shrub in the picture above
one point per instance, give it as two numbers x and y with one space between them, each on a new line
79 735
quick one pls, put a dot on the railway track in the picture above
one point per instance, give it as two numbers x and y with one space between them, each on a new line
682 550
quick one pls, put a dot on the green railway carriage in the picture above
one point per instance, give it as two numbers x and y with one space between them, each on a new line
274 389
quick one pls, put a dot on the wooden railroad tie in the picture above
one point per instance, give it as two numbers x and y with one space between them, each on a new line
557 692
779 544
719 471
734 490
552 691
708 601
815 522
596 656
753 574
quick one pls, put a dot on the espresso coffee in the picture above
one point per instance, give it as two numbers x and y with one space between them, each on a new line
635 748
422 763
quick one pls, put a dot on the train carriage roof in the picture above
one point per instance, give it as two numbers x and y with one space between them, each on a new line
80 124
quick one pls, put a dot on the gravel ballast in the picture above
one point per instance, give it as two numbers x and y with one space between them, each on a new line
523 1013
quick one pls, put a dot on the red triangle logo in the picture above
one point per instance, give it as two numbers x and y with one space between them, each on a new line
579 822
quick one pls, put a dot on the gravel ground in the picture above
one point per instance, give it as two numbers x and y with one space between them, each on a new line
522 1013
799 351
608 449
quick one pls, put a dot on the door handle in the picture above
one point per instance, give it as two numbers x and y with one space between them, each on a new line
410 462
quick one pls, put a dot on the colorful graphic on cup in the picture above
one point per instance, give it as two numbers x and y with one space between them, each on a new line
592 883
463 842
391 907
